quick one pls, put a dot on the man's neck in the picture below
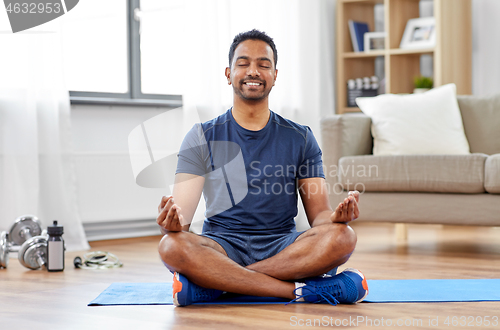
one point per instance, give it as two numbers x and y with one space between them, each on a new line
252 116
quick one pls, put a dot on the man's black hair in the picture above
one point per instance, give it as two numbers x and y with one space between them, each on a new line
252 35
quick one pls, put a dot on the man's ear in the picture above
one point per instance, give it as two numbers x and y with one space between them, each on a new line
275 76
228 75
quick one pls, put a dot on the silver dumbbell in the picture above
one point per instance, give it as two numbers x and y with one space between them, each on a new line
33 252
5 248
24 229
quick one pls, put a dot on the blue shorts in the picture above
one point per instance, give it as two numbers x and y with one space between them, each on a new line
246 249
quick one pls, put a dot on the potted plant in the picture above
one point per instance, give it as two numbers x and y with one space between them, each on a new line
422 84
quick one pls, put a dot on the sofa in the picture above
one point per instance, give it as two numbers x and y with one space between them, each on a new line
425 189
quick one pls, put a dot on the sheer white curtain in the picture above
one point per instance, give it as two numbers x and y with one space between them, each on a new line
36 171
303 31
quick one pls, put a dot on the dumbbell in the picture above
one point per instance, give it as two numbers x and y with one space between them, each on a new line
5 248
33 252
24 229
26 232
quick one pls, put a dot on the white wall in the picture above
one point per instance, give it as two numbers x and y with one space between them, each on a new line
106 185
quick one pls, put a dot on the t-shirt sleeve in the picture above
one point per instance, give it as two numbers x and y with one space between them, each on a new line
312 163
193 153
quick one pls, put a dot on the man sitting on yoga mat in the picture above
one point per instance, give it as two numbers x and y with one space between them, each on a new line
250 163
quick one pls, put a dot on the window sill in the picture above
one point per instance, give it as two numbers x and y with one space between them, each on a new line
125 102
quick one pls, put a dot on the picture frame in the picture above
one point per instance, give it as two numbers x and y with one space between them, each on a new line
419 33
374 41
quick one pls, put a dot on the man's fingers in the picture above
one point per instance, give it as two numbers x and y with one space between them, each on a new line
170 215
177 213
162 218
163 202
356 209
168 204
348 209
172 220
355 194
353 204
162 214
356 213
345 207
351 208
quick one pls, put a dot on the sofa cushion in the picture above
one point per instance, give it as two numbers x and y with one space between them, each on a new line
413 173
416 124
345 135
492 174
481 117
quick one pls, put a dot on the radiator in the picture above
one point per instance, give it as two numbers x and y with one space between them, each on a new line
103 230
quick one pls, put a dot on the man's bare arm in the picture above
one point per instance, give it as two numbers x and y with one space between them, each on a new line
314 195
176 212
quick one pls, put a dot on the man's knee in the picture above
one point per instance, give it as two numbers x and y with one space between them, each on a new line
342 238
173 249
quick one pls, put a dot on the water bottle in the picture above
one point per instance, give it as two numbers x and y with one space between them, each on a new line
55 248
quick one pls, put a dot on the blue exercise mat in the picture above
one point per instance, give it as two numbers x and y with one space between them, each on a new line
380 291
135 294
161 294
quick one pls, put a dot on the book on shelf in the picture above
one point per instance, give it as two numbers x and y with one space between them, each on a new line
357 31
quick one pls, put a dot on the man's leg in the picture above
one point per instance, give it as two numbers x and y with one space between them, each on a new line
204 262
314 252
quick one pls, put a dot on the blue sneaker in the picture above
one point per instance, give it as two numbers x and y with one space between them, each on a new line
187 293
347 287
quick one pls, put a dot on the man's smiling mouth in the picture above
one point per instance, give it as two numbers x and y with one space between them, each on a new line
252 83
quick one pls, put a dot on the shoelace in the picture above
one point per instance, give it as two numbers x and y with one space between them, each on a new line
323 292
204 294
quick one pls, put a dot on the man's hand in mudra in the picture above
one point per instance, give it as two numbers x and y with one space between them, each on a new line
347 210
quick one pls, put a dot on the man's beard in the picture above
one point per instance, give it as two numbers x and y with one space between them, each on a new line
239 91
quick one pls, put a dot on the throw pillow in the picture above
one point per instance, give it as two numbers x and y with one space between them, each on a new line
415 124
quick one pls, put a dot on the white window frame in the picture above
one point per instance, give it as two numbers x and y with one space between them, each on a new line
134 96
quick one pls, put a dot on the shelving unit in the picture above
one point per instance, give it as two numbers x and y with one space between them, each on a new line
452 55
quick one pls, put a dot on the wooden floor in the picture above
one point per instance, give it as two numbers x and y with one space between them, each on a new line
42 300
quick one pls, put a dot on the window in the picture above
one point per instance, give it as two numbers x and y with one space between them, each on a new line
118 51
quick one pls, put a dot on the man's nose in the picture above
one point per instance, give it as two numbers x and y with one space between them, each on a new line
253 70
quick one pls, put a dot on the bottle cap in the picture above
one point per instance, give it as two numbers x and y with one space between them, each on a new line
55 229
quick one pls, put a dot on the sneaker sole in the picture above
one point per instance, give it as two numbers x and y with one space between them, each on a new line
176 288
363 282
